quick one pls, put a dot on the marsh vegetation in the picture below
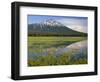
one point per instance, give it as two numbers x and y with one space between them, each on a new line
53 50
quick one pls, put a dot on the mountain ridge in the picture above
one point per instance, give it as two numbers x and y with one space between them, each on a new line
52 27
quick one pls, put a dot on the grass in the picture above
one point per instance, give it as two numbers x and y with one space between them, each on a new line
64 59
52 40
39 44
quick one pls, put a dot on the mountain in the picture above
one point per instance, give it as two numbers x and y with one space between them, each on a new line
52 27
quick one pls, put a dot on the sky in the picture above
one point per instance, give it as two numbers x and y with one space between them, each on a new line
76 23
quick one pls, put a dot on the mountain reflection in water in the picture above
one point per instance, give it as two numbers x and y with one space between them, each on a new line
77 49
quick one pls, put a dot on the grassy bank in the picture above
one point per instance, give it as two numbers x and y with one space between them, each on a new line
53 40
40 44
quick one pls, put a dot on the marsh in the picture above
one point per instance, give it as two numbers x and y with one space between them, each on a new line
43 51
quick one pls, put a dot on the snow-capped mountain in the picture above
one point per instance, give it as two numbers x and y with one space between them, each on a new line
51 27
51 22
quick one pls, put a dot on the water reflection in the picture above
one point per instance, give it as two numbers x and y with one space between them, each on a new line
77 49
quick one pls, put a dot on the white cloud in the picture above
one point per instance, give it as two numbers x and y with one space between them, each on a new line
75 24
77 28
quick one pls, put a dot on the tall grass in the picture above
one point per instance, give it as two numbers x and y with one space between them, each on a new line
64 59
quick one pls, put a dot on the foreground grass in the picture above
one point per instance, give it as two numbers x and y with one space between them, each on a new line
38 44
49 60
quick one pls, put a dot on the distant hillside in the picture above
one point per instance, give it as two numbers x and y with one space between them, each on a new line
52 27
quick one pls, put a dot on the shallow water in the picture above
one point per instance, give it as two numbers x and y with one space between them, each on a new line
77 49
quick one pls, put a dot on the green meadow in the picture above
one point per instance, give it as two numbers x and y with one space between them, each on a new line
46 47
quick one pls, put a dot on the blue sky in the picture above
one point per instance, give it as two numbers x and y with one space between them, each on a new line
75 23
41 18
